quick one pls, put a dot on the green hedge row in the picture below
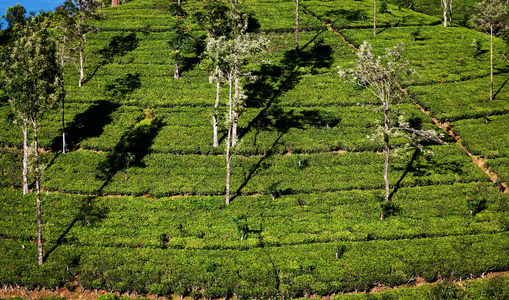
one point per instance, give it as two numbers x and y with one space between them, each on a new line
103 125
489 288
462 10
438 54
462 100
167 174
258 273
359 14
501 167
486 137
204 222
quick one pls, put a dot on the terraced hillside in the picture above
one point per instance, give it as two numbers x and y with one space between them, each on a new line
138 204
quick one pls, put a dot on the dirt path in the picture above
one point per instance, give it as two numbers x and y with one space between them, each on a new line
82 294
447 127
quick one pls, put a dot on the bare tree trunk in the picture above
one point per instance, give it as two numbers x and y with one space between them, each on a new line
80 49
387 149
236 104
297 25
215 117
228 165
374 19
491 62
235 122
62 62
25 158
176 71
63 119
450 12
115 2
38 189
445 12
228 143
82 65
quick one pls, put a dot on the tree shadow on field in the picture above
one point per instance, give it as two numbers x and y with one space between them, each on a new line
133 146
119 46
500 88
123 86
421 165
89 212
87 124
273 82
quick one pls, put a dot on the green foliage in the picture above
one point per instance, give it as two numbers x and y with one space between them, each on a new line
15 15
476 47
416 33
446 290
303 137
389 209
32 72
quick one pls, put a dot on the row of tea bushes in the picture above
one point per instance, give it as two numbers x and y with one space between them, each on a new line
450 102
359 14
486 137
103 126
456 61
204 222
166 174
489 288
257 273
501 167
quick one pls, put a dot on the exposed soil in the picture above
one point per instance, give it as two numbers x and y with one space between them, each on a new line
82 294
479 161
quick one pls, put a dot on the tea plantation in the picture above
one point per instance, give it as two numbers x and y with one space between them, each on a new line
137 204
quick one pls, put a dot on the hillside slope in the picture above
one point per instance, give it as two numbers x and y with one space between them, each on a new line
138 205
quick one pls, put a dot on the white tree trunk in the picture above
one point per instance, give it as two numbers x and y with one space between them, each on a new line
444 9
228 142
491 62
176 74
237 100
215 116
25 158
38 189
445 14
63 120
82 65
386 177
62 63
228 165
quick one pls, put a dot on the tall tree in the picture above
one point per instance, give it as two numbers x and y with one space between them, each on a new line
489 14
213 17
219 53
226 57
181 43
66 22
244 48
15 15
33 77
380 75
80 13
447 8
